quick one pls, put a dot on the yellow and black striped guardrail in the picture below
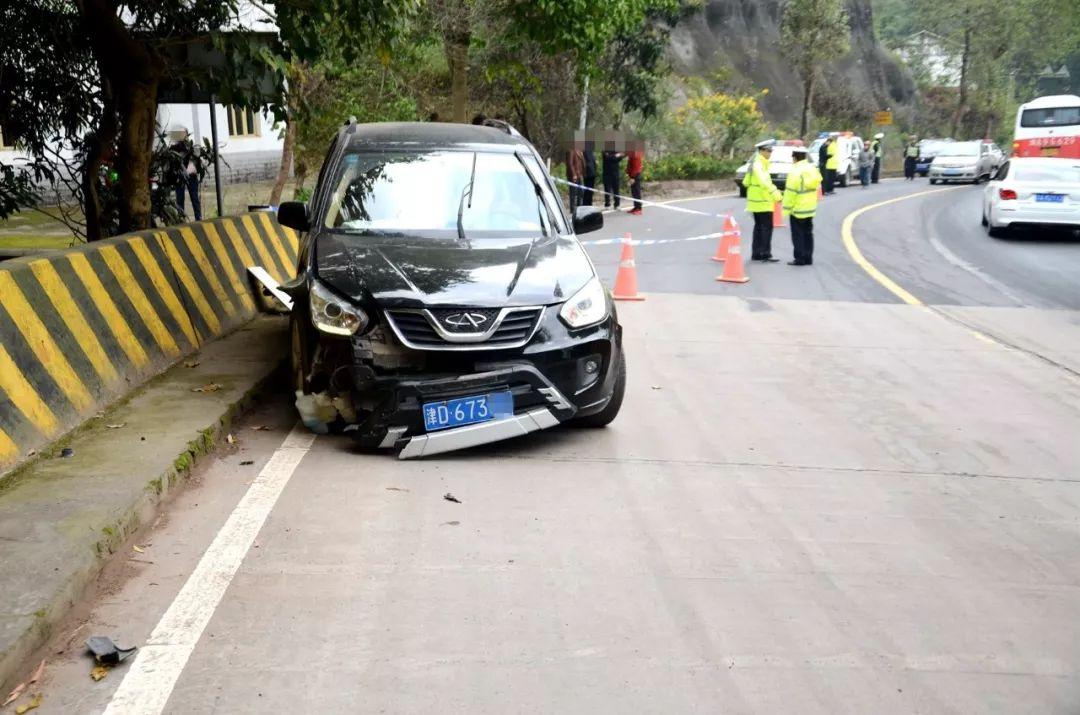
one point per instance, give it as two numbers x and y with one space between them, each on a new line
82 327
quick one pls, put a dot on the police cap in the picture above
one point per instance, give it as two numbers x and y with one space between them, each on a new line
767 144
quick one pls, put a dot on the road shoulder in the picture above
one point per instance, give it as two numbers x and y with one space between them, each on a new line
60 517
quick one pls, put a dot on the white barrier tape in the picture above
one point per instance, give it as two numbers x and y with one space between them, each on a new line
651 241
630 199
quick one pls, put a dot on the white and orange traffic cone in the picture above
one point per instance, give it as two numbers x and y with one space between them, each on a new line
729 236
778 215
626 278
733 267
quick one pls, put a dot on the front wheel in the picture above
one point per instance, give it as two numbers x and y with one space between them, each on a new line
933 181
845 179
604 417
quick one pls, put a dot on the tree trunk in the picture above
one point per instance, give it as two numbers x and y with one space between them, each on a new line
98 144
961 103
808 96
301 178
457 54
138 124
287 149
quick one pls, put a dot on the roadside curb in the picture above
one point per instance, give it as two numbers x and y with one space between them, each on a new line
61 518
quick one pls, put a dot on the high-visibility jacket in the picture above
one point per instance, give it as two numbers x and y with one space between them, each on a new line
800 192
834 158
876 147
761 192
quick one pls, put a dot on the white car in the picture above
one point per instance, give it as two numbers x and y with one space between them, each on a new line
1032 191
963 161
847 155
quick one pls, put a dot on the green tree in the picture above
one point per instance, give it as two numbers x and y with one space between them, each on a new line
726 120
811 33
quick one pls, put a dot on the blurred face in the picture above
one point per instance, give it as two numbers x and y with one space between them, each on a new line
766 152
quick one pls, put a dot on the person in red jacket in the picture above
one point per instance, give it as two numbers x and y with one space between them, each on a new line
635 159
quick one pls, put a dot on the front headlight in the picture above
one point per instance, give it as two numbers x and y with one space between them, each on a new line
333 315
586 307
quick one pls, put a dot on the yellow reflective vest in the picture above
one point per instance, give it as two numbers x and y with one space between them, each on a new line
833 162
761 192
800 192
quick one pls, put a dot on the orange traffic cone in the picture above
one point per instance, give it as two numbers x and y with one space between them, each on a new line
820 191
626 278
777 215
733 267
729 236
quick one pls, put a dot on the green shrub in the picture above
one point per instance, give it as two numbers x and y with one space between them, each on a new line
689 167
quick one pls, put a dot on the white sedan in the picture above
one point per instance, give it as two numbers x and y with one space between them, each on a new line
1032 191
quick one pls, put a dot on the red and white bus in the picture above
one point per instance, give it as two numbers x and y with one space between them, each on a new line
1048 126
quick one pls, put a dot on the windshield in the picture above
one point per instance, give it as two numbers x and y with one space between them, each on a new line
781 154
960 149
426 191
931 148
1050 117
1068 174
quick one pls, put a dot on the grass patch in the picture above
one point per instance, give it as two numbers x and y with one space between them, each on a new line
27 240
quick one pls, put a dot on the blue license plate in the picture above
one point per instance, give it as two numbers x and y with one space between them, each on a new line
952 172
1050 198
467 410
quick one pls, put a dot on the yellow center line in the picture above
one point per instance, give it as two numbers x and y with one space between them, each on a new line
857 256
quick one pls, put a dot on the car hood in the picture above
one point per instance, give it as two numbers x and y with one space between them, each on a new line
489 272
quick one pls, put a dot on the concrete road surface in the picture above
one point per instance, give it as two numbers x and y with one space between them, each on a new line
822 496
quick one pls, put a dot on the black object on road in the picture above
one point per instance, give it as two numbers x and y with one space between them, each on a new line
67 452
106 652
450 497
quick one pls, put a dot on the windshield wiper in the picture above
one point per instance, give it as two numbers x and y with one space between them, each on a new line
461 204
542 208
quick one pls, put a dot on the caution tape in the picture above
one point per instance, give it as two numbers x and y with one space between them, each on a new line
630 199
650 241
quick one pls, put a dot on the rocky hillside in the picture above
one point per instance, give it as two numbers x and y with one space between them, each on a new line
742 37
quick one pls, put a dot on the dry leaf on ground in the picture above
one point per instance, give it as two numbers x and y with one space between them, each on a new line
191 363
117 426
99 672
208 387
27 707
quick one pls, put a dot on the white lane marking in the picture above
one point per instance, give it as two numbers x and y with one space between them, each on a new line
700 198
149 682
975 271
650 241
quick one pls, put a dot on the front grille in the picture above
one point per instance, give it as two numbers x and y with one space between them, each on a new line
428 329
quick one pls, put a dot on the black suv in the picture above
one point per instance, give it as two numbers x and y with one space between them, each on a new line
442 299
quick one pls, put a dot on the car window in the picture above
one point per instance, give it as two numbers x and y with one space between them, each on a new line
1067 174
424 191
1002 172
960 149
1050 117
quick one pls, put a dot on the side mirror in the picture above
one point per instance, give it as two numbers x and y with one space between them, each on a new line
294 214
587 219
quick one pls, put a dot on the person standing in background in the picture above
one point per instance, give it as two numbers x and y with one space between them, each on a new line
611 160
877 148
589 154
911 154
634 167
189 172
866 165
575 174
832 163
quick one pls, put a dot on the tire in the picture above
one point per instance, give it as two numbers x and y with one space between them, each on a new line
996 232
605 416
933 181
984 221
845 179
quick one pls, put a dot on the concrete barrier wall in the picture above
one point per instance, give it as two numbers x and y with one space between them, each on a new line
81 328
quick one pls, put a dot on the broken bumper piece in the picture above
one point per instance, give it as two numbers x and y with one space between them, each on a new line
483 433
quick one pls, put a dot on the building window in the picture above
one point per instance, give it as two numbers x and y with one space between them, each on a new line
243 122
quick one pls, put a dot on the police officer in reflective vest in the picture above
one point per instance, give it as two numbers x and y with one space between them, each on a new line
800 203
831 164
761 196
